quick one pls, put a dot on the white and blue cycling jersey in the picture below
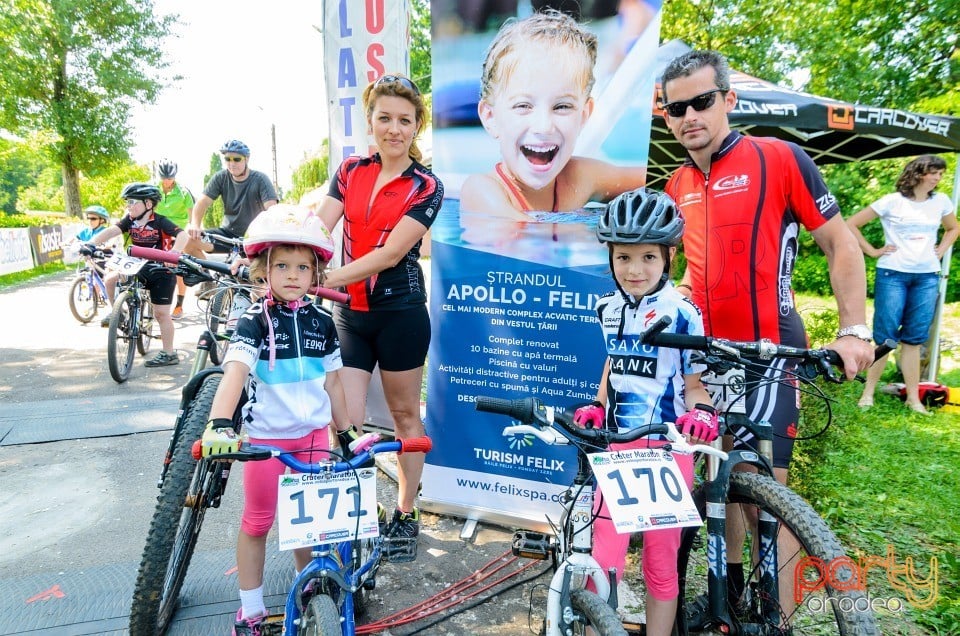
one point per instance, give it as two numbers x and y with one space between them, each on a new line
289 401
645 384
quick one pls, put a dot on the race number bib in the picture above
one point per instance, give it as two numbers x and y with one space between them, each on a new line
126 265
644 490
326 508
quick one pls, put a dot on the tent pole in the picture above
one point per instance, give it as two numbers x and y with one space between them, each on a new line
933 343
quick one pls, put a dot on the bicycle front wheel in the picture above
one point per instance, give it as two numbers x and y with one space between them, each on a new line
189 489
83 299
802 536
120 338
320 617
592 615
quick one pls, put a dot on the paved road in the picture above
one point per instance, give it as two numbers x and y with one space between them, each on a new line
79 459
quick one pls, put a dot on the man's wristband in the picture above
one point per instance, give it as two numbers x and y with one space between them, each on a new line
220 422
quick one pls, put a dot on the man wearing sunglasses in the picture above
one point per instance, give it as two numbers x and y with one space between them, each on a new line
245 194
744 200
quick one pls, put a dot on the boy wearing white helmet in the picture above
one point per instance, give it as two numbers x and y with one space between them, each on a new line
293 391
644 385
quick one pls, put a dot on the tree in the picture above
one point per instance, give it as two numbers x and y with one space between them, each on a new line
420 53
72 70
311 173
20 167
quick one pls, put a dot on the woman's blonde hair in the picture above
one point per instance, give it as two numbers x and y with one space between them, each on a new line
396 85
550 28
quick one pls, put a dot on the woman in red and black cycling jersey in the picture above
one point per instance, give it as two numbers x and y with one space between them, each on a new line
387 202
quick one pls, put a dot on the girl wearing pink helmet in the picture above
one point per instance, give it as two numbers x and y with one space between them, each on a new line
293 391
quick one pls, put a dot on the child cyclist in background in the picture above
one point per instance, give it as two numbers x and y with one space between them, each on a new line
535 100
285 351
642 229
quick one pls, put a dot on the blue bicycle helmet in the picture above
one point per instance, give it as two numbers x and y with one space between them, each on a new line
99 210
235 146
167 169
142 192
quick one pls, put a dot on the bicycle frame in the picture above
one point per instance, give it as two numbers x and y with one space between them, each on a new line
94 278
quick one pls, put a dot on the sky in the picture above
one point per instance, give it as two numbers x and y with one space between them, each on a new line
246 65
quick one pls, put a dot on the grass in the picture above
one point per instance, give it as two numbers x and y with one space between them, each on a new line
9 280
887 478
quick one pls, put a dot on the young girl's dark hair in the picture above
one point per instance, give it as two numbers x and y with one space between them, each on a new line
914 171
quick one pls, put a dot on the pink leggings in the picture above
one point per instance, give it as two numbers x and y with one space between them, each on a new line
659 546
260 479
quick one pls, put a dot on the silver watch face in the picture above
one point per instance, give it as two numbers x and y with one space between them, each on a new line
859 331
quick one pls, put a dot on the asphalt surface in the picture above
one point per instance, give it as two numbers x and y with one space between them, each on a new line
79 459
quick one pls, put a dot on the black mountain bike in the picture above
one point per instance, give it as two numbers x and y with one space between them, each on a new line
787 531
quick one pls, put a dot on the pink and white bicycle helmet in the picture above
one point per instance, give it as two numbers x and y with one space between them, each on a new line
286 224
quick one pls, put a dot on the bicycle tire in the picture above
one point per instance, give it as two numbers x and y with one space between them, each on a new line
120 340
149 328
320 617
187 490
814 614
594 615
219 313
84 299
361 598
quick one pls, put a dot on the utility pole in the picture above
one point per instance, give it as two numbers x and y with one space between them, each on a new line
273 145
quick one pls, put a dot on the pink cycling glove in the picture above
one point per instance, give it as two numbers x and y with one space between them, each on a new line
589 416
700 423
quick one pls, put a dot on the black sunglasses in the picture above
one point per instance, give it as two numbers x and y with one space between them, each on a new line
234 159
701 102
403 81
94 218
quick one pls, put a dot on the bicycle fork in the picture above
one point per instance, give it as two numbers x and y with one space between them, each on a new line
766 553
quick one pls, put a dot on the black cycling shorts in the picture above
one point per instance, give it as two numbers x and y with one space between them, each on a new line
396 340
160 281
773 396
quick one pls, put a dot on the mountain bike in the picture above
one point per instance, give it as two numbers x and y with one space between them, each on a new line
787 533
226 298
88 292
188 486
336 501
571 608
132 326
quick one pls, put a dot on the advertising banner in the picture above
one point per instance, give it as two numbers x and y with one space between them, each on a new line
361 42
47 242
514 284
15 253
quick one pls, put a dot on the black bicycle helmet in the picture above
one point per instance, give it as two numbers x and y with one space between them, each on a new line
141 191
641 216
235 146
167 169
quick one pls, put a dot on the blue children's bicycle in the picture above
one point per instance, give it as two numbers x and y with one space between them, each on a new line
332 504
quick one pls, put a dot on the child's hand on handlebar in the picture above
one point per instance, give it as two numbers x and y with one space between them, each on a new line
700 424
219 437
590 416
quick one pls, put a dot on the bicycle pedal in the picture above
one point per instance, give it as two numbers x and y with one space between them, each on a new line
399 549
530 545
272 625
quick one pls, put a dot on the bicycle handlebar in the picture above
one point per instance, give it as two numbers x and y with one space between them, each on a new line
250 452
555 426
820 361
199 264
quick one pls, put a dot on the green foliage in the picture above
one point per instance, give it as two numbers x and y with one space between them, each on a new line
20 167
214 215
311 173
29 220
421 59
72 70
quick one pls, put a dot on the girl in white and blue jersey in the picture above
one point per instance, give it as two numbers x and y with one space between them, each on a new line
286 354
644 384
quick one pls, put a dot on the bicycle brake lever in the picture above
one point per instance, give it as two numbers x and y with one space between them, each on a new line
679 444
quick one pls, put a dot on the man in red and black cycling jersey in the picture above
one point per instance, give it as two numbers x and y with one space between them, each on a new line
744 200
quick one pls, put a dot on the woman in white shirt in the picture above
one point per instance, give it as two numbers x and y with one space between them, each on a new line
908 267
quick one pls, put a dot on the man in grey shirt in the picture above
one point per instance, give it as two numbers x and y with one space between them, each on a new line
245 194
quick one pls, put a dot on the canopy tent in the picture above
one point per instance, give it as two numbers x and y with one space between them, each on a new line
828 130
